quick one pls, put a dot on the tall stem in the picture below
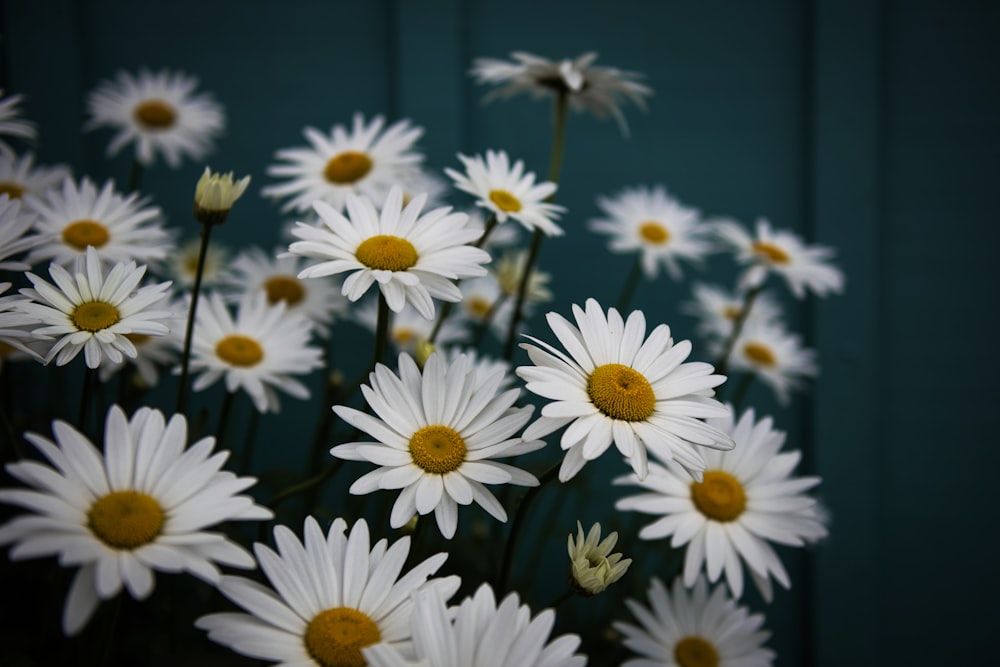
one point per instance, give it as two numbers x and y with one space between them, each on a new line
722 365
741 390
381 330
89 379
223 426
518 523
628 289
206 231
135 176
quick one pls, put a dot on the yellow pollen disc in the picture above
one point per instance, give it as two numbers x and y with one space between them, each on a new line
386 252
83 233
505 201
347 167
12 190
126 519
478 306
94 316
137 339
719 496
760 354
335 637
621 392
284 288
239 350
403 336
695 652
654 232
155 114
731 312
771 252
437 449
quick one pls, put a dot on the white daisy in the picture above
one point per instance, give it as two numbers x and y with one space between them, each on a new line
654 224
152 352
412 257
698 630
16 338
592 565
508 192
746 500
182 264
160 112
333 595
616 385
510 268
774 355
143 506
19 175
434 433
420 181
717 310
485 303
15 223
483 366
408 329
92 312
363 161
260 351
11 123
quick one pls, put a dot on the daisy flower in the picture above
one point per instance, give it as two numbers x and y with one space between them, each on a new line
19 175
508 271
774 355
11 123
158 111
15 223
592 565
746 499
260 351
804 267
92 312
363 161
696 630
482 366
412 257
152 352
508 192
182 264
485 303
434 433
654 224
717 310
616 385
16 339
331 596
420 181
408 329
143 506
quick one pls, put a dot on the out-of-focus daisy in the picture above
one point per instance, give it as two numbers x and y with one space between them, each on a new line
158 111
15 223
483 366
804 267
421 181
92 312
616 385
143 506
259 351
412 257
152 352
333 595
746 499
19 176
434 434
363 160
408 329
182 265
508 271
717 310
11 123
654 224
508 192
774 355
592 565
214 196
696 630
589 87
485 303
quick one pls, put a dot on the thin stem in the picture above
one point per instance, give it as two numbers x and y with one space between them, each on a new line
303 486
89 377
381 330
223 426
491 222
558 136
488 319
108 650
628 289
250 440
518 523
723 363
567 594
741 390
206 231
134 176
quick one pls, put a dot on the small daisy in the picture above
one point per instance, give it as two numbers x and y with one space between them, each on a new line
259 351
616 385
408 329
508 192
592 565
485 303
718 309
510 268
11 124
19 176
483 366
774 355
182 264
412 257
703 629
746 500
333 595
434 433
363 161
420 181
92 312
160 112
143 506
15 223
654 224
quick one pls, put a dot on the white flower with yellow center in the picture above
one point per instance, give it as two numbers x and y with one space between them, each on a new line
412 257
701 629
75 217
143 506
153 353
333 595
485 303
95 313
182 265
11 123
434 433
773 355
158 111
654 224
408 329
592 565
616 385
508 192
747 499
259 351
363 161
19 176
15 223
717 310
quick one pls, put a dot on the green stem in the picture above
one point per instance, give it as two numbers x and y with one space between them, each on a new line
381 330
303 486
628 289
491 222
108 649
567 594
134 176
488 320
86 391
722 365
223 426
206 231
250 440
518 523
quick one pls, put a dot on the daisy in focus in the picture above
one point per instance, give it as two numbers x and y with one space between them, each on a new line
19 176
11 123
616 385
592 565
160 113
333 595
717 310
435 432
142 506
15 223
774 355
747 499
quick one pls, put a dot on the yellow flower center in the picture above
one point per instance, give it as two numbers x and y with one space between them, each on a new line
695 652
760 354
437 449
771 252
621 392
347 167
478 306
731 312
12 190
505 201
654 232
386 252
126 519
335 637
284 288
719 496
94 316
83 233
155 114
403 336
239 351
